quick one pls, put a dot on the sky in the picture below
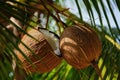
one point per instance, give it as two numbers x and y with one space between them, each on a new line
73 8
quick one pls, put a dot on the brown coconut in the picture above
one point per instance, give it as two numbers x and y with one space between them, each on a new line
80 46
42 56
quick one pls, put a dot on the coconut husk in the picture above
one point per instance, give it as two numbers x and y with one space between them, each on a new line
43 58
80 46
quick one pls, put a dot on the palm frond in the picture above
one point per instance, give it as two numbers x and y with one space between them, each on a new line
56 18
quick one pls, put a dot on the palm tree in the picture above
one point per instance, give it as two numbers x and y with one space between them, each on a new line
19 16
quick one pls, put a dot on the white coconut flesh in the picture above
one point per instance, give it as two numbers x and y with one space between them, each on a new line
52 40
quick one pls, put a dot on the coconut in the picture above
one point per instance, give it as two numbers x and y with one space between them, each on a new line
80 46
42 56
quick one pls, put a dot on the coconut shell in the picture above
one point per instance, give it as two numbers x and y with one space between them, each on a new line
80 45
43 58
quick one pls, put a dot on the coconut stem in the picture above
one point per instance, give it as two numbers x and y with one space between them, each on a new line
95 66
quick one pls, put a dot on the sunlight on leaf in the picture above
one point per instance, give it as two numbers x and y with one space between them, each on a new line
117 45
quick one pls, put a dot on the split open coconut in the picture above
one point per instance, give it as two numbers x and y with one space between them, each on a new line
80 46
43 56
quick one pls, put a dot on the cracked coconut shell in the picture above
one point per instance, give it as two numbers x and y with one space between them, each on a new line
43 57
80 46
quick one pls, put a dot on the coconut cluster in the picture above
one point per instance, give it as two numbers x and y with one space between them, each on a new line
79 45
